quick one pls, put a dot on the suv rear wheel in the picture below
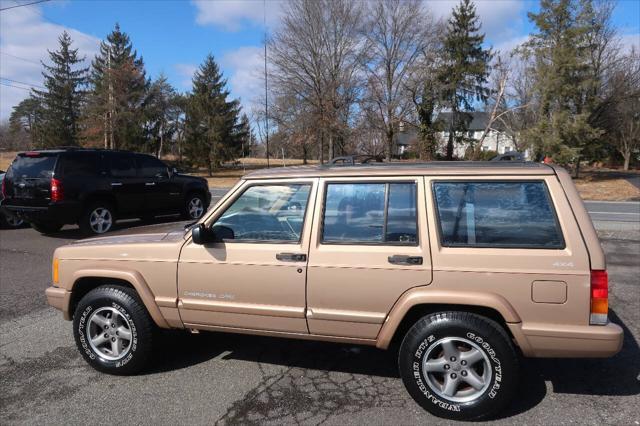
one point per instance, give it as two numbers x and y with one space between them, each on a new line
46 227
97 219
194 206
459 365
113 330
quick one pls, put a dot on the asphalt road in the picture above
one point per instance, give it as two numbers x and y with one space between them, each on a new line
230 379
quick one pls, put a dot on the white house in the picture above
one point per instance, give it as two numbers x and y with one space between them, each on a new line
496 140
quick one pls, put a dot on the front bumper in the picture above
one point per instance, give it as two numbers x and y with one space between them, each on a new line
563 341
59 298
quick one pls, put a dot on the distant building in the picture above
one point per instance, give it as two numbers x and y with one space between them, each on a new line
496 140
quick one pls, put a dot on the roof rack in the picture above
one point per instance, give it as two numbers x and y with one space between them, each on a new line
350 160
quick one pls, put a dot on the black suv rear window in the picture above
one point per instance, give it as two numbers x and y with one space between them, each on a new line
33 166
497 214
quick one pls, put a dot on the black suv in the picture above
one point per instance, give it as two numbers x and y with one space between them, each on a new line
93 188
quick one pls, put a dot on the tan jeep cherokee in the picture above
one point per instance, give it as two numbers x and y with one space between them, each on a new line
466 266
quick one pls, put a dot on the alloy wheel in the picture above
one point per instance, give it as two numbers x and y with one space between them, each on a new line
195 208
100 220
109 333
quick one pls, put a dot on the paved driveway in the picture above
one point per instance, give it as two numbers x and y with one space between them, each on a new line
231 379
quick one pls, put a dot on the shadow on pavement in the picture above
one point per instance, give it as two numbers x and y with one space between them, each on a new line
317 375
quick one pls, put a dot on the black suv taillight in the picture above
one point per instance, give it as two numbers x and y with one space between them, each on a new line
56 190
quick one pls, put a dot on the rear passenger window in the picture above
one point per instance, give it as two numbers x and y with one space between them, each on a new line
374 213
497 214
83 164
123 166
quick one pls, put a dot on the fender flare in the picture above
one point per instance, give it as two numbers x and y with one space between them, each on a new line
425 296
132 277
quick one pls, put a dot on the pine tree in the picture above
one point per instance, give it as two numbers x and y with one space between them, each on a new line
119 89
28 115
213 132
564 80
245 135
63 99
465 70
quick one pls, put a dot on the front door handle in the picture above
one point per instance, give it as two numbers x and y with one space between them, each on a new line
291 257
150 183
116 183
405 260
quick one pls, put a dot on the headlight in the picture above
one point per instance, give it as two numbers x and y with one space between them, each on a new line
55 271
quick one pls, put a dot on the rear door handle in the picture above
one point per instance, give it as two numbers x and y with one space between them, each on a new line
116 183
291 257
398 259
150 183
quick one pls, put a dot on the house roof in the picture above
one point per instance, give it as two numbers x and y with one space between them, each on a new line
477 168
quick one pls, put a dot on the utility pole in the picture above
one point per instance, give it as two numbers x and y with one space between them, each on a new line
266 83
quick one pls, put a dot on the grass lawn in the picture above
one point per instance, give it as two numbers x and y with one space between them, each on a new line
593 184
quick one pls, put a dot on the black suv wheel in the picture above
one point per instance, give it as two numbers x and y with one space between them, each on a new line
98 218
459 365
194 206
113 330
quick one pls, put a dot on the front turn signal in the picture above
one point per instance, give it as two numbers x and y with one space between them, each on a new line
55 271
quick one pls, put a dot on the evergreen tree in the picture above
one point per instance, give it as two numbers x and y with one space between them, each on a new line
119 90
28 115
564 80
63 98
464 73
246 136
213 132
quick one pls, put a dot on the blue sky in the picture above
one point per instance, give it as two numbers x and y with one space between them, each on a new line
174 36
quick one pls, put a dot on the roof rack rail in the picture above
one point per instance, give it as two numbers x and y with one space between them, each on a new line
350 160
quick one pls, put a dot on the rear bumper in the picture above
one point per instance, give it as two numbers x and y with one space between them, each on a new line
59 298
589 341
63 213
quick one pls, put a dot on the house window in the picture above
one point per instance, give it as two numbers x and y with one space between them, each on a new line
485 148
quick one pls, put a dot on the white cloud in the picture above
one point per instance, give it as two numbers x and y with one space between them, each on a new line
185 71
244 68
628 41
24 39
234 15
501 19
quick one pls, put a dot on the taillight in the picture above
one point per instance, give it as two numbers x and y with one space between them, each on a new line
56 190
599 298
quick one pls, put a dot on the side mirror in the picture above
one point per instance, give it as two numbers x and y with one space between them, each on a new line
203 235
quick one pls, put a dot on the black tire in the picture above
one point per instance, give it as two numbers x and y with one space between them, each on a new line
186 209
426 338
126 301
46 227
9 221
85 221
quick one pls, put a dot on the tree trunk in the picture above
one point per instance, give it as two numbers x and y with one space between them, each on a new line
389 145
576 171
330 146
627 158
161 140
450 145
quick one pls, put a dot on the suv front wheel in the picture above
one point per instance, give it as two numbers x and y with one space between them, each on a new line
459 365
113 330
97 219
194 206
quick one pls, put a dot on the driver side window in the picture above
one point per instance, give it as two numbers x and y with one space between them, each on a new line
268 213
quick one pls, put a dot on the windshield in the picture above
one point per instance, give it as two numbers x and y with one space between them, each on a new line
32 166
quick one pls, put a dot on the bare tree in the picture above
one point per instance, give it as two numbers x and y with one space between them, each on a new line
315 56
395 31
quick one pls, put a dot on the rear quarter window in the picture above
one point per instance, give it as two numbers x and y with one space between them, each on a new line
497 214
80 164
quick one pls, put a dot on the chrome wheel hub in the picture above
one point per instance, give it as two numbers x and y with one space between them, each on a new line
100 220
109 333
195 208
457 369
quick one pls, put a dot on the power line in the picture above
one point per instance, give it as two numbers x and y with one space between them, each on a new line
18 57
41 15
23 4
22 82
16 87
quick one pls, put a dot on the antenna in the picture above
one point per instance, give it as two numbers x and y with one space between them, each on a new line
266 82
